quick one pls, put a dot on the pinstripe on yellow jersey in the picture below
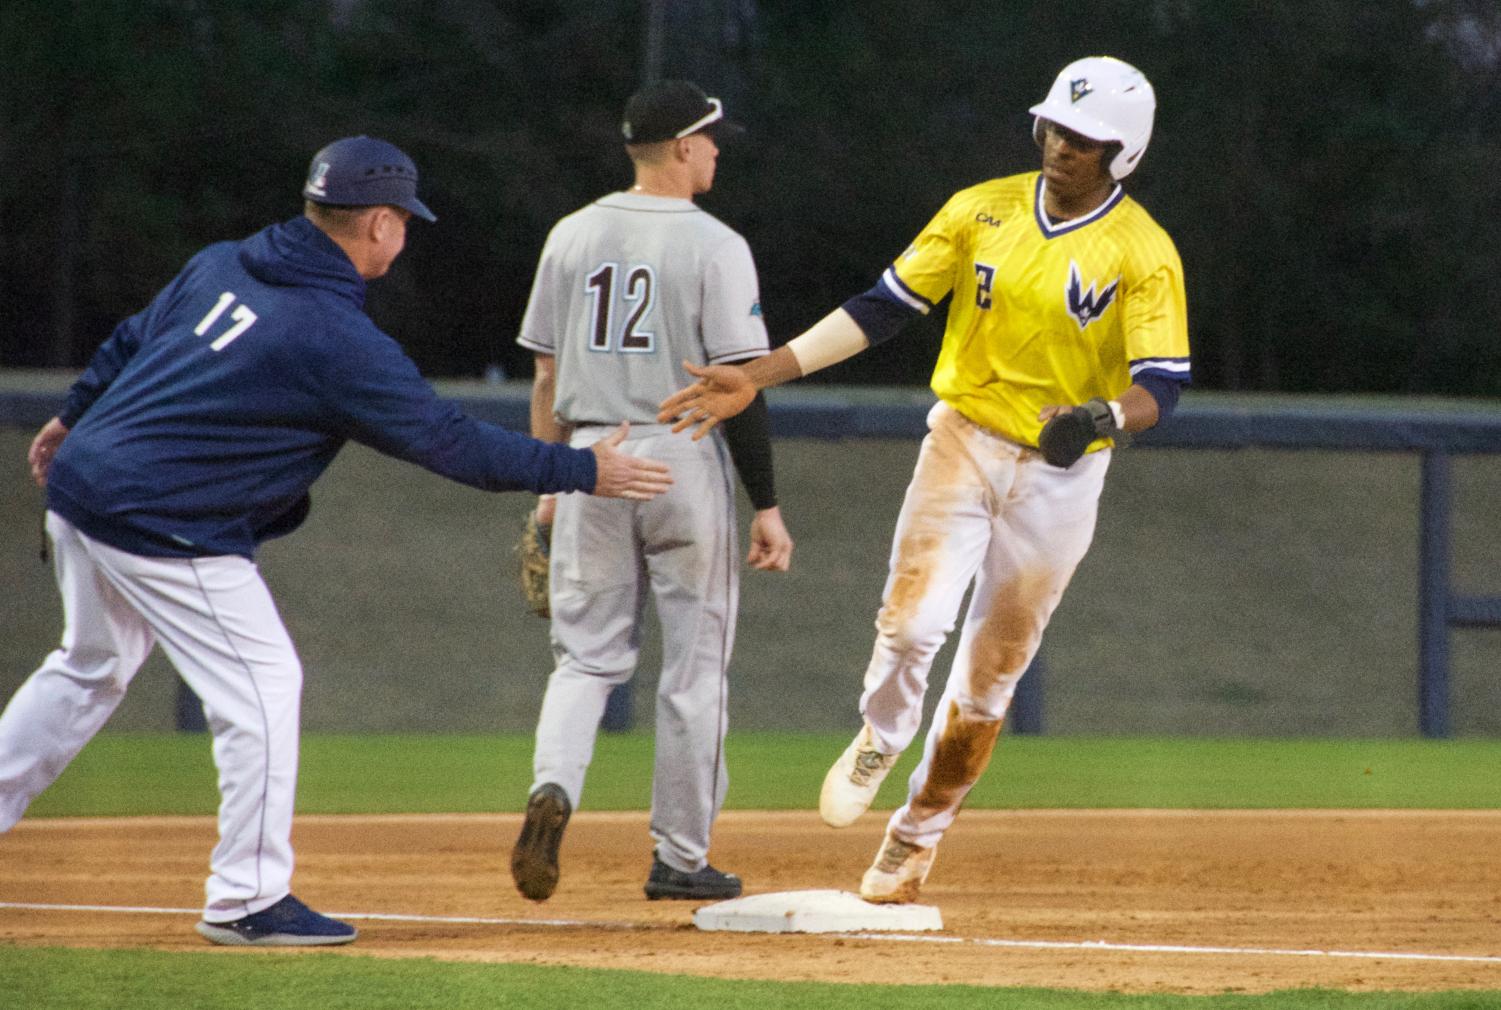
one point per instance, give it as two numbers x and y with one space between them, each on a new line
1041 313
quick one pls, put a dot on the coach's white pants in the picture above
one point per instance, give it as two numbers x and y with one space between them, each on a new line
980 508
217 623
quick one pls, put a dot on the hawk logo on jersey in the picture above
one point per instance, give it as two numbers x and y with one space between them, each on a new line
756 311
1078 88
317 182
1083 304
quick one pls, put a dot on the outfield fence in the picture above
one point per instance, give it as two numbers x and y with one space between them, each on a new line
1436 431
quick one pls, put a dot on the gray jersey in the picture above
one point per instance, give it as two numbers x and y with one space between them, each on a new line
627 289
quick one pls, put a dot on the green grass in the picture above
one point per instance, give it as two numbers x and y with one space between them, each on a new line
44 979
128 773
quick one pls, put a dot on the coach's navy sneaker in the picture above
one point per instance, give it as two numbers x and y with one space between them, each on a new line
707 884
288 923
534 860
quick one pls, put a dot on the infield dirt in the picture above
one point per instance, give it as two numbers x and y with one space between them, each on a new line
1254 901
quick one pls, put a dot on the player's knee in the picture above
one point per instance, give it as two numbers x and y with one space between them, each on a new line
910 635
103 675
610 672
987 690
991 704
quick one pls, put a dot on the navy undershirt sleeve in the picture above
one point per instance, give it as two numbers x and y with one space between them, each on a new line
878 314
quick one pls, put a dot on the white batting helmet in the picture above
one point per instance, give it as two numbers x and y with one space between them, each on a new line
1102 98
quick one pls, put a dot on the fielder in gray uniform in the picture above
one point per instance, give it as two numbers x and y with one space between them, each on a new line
627 289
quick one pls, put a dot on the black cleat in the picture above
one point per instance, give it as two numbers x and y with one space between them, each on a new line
707 884
534 860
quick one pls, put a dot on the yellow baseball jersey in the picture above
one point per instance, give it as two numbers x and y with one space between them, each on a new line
1043 313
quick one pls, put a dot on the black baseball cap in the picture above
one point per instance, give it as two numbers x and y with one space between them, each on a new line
667 110
364 172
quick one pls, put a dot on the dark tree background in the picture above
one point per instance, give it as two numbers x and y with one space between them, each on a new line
1328 168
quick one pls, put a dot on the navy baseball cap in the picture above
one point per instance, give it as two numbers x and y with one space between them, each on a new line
364 172
668 110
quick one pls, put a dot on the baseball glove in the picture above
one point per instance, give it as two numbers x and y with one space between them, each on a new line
1065 437
536 543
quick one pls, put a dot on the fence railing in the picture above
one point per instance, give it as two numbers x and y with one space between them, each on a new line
1436 430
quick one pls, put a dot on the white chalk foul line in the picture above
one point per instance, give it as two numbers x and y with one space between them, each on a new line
371 916
1155 948
1100 945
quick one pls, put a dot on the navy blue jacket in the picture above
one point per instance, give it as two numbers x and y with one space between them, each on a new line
201 422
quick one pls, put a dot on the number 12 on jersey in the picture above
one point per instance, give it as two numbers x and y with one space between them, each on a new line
638 292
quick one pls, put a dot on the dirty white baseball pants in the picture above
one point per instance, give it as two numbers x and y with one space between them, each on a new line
215 619
984 509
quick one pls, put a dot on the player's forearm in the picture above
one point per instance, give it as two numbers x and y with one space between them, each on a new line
544 422
748 437
772 369
829 341
1139 409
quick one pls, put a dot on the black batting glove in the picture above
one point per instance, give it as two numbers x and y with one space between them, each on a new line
1065 437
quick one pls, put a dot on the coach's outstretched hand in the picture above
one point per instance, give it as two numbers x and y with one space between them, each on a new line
621 475
721 391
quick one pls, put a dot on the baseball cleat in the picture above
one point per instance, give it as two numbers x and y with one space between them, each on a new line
851 785
898 872
288 923
707 884
534 860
